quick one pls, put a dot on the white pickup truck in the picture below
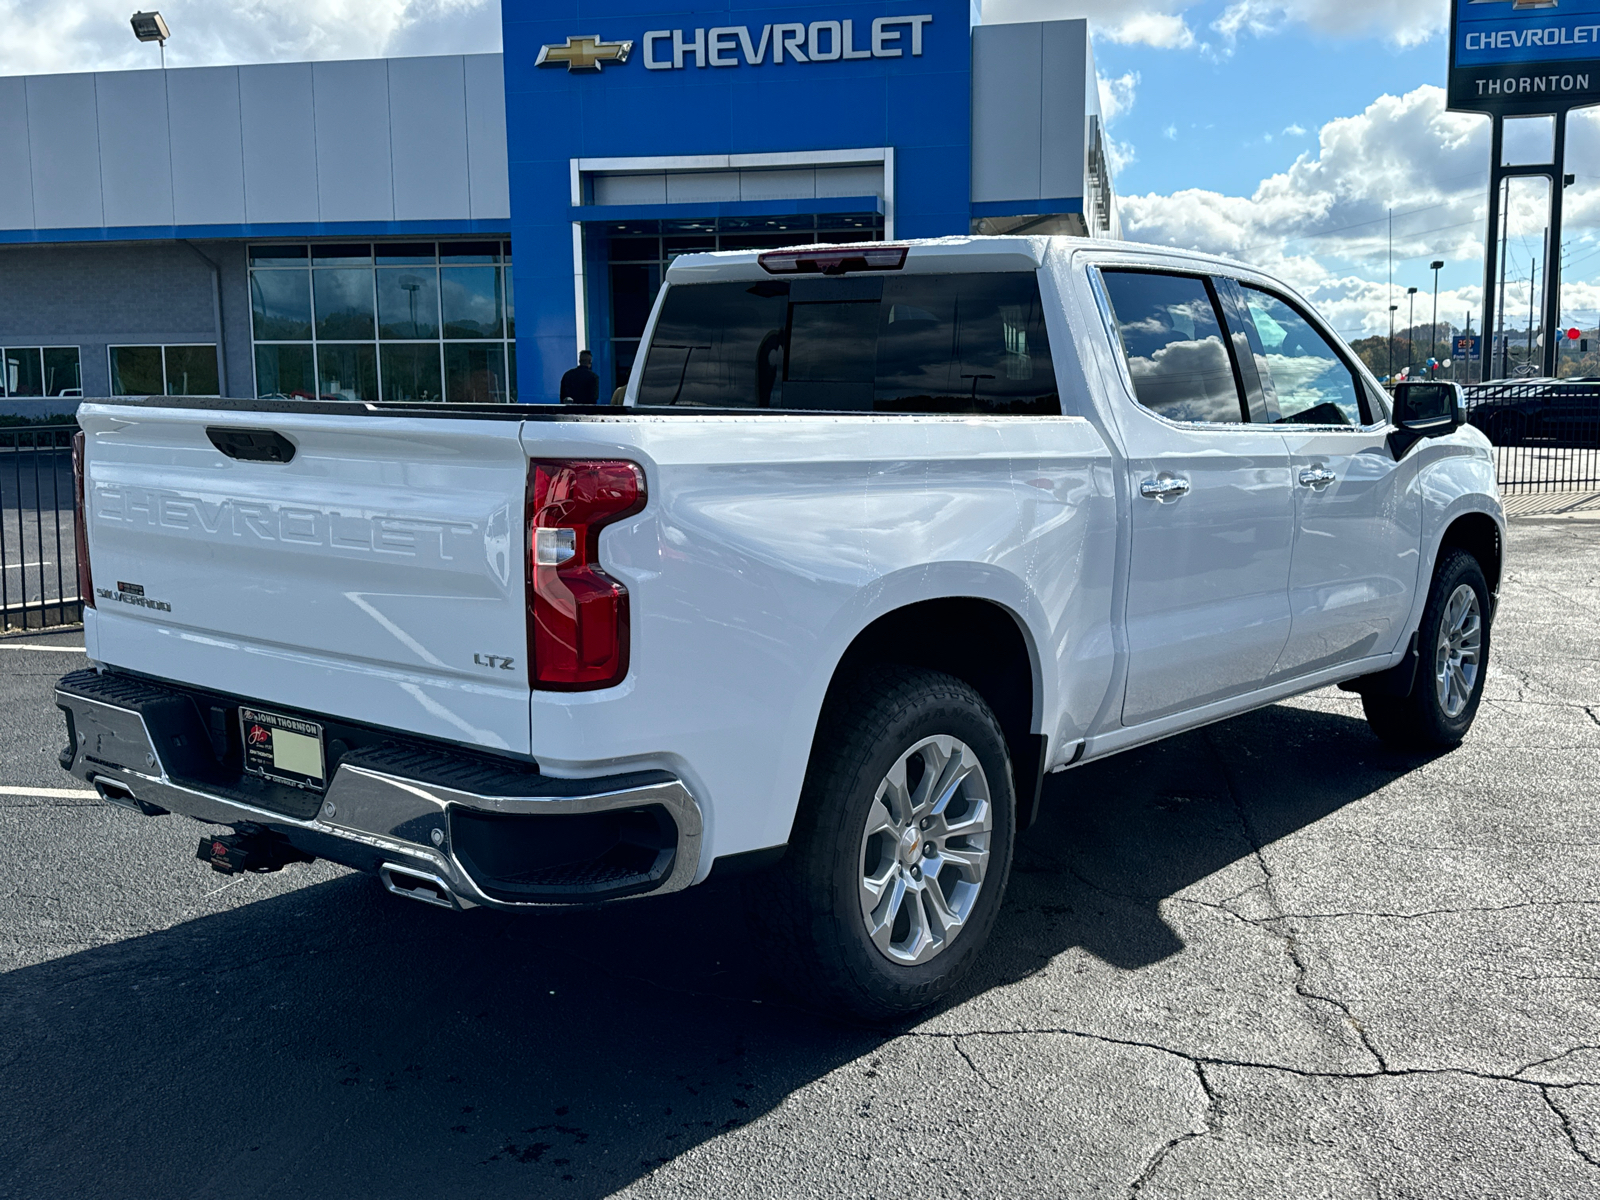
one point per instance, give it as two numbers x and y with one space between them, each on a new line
879 535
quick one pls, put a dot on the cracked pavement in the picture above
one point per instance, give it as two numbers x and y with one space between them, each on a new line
1269 958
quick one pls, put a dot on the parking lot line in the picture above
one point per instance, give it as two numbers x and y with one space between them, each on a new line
50 793
46 649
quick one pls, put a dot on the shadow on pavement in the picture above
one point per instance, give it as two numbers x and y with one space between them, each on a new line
341 1041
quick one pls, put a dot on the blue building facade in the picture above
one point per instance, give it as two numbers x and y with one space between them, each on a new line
639 132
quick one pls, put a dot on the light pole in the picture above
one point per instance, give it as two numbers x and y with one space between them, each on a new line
151 27
1392 307
1433 330
1411 327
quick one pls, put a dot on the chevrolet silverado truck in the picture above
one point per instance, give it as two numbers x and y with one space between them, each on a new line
878 536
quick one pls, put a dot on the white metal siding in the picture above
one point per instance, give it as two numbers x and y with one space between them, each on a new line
1031 91
428 137
487 172
277 117
355 176
16 197
135 156
207 152
371 140
64 148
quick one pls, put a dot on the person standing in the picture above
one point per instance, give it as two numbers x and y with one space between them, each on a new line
581 385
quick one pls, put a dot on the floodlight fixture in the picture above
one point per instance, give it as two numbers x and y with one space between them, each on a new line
151 27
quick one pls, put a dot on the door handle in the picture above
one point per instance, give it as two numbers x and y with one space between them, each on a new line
1164 489
1317 477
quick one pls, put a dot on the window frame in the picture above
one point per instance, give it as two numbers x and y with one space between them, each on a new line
5 391
502 266
1119 350
111 347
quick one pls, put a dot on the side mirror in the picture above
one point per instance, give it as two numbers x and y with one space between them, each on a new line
1425 408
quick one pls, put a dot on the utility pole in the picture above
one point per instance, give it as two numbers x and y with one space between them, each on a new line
1411 328
1533 290
1505 222
1392 307
1433 329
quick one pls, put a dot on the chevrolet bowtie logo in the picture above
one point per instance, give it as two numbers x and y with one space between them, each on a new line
583 54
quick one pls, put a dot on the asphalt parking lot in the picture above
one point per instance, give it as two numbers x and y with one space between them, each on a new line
1265 959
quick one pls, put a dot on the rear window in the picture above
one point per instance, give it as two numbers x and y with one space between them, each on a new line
970 343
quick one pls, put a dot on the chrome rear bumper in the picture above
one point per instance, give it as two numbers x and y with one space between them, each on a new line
402 811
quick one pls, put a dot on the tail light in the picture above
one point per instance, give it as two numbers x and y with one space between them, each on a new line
80 523
577 614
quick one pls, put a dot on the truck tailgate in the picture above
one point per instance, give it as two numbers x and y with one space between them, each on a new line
376 576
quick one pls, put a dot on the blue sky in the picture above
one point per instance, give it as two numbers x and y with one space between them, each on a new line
1224 121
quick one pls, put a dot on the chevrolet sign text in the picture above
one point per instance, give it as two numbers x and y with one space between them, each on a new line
820 41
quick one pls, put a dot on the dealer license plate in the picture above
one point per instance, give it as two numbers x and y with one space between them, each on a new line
283 748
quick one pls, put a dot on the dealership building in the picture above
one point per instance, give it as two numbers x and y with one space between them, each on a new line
457 227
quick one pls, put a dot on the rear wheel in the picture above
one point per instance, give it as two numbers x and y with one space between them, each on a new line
901 849
1453 645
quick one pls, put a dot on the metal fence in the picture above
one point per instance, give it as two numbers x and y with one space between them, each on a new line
38 552
1546 432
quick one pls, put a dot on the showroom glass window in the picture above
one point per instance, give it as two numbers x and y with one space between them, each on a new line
164 370
38 371
405 322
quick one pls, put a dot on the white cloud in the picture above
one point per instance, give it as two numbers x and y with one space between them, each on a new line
1117 95
1156 23
1403 22
1322 223
1294 131
1163 23
90 35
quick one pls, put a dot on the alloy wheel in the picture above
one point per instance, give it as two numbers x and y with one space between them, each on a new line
925 850
1458 655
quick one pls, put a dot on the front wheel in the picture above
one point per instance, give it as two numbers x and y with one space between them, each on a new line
1453 645
901 848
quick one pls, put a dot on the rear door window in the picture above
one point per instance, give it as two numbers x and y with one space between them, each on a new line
1174 343
960 343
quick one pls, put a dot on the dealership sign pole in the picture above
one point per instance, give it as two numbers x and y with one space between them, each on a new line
1524 58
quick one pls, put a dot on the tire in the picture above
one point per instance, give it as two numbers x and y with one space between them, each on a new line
1453 650
850 848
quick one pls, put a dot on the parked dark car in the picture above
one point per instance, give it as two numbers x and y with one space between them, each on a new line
1554 412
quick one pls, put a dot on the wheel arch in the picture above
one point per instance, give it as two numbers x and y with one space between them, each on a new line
1479 535
984 644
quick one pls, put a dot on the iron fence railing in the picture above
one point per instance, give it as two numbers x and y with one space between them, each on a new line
1546 432
38 551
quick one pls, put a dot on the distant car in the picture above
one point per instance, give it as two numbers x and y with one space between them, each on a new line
1558 412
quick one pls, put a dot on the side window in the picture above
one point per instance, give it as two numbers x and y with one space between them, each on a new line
1174 344
960 343
1314 385
964 344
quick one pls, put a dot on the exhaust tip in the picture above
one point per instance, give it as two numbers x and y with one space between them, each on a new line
113 792
419 885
